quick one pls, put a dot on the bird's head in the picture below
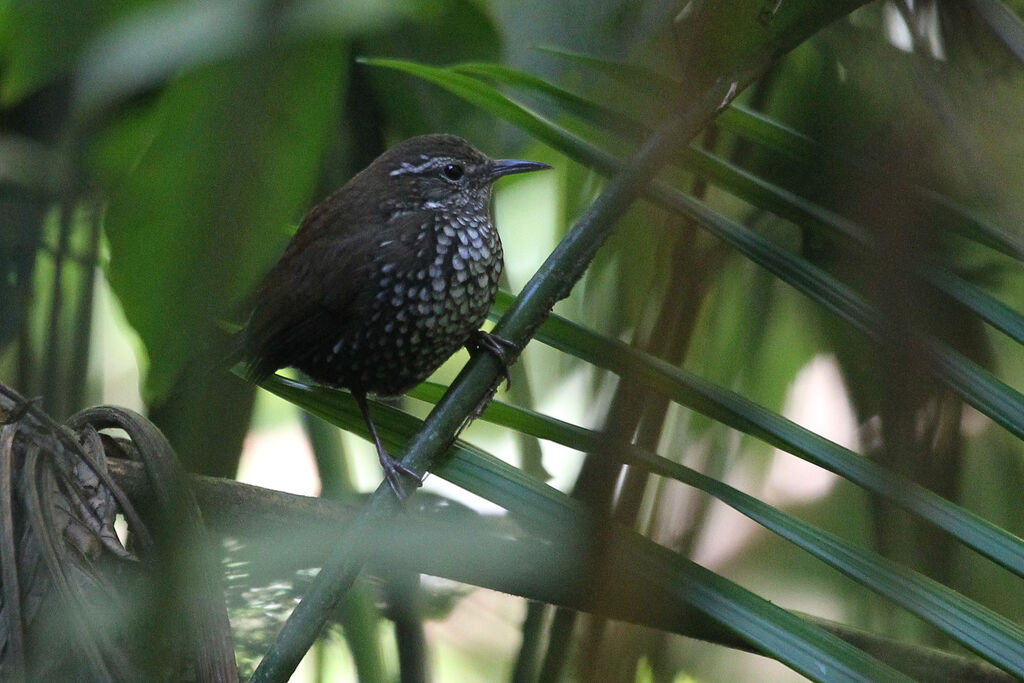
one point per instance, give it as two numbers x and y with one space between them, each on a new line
442 172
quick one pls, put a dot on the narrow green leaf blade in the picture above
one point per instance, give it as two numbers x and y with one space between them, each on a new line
978 387
568 102
752 126
990 635
990 309
799 644
489 99
740 413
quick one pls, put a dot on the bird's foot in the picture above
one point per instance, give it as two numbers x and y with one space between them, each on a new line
393 469
499 347
397 474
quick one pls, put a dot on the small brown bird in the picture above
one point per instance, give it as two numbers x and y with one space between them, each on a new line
387 277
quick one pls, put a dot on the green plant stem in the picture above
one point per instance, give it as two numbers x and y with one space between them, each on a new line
531 458
79 366
595 488
552 282
670 340
54 396
525 670
552 668
357 613
411 642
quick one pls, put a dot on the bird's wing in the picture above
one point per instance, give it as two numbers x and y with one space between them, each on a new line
315 293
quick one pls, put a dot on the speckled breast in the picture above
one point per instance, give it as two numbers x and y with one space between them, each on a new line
421 315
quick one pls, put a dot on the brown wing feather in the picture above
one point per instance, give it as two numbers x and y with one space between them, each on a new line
321 285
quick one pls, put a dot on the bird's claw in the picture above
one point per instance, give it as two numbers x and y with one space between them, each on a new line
393 474
497 346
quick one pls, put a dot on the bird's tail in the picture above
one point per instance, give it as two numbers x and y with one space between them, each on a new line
243 360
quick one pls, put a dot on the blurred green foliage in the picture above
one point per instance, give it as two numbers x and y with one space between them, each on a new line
177 144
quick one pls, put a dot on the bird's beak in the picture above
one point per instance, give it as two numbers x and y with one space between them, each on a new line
503 167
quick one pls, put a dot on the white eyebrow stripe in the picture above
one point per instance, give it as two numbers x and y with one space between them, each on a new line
406 167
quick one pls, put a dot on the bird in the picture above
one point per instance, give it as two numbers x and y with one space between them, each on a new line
386 278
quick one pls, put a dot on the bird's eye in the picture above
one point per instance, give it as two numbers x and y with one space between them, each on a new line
453 171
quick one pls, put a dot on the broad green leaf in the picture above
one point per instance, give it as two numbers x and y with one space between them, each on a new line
151 44
197 218
40 39
147 47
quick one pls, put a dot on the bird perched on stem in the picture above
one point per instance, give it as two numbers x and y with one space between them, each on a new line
387 277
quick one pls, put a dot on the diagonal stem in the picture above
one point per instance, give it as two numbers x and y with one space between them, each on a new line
551 283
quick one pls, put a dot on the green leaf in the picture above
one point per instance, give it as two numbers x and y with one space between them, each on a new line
975 384
200 214
739 413
978 387
752 126
40 39
774 631
148 46
990 309
491 100
623 72
591 112
992 636
1004 23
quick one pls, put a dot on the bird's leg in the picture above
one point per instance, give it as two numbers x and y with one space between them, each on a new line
392 467
499 347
